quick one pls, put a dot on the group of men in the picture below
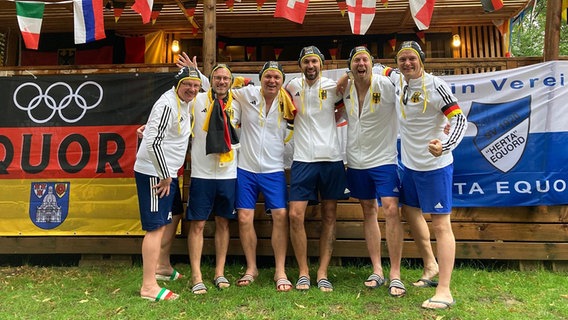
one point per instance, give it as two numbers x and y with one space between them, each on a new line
408 102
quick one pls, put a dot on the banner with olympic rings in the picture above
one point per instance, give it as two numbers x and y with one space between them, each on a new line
67 150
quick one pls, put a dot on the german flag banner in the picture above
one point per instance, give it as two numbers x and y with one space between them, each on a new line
67 150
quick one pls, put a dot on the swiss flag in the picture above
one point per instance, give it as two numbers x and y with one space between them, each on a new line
293 10
422 12
361 14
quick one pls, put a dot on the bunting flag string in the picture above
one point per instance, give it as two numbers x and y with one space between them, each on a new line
230 4
491 5
259 4
293 10
88 21
144 8
118 9
422 36
156 9
30 17
188 8
342 7
277 52
392 43
333 53
421 11
504 27
361 14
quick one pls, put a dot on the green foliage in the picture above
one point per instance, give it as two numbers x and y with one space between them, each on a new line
527 37
111 292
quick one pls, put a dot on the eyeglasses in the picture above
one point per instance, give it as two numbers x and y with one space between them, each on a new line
221 78
405 95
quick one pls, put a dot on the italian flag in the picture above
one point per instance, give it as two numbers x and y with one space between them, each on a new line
30 15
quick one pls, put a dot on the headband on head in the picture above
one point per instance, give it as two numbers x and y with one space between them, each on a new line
413 46
358 50
219 66
272 65
311 51
186 73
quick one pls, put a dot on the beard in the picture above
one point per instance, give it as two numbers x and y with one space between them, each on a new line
311 76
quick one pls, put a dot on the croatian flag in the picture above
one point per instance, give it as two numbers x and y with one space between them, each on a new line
421 11
89 20
361 14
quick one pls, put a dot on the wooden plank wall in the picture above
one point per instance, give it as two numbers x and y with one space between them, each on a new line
479 42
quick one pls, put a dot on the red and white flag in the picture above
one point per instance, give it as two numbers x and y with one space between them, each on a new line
361 14
491 5
421 11
293 10
144 8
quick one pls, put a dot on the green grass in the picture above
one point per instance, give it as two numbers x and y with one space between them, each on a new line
111 292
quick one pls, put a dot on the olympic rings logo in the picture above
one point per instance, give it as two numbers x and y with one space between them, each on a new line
58 106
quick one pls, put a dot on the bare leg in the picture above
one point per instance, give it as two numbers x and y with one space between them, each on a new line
372 236
280 244
394 236
221 247
248 239
195 246
164 264
421 235
150 253
446 252
327 236
298 237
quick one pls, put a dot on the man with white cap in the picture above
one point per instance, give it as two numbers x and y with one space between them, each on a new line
263 113
317 171
213 174
161 153
372 163
425 105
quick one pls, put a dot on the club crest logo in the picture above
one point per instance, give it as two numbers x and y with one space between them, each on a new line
502 131
49 203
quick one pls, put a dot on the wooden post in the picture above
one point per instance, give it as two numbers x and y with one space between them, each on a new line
552 30
209 35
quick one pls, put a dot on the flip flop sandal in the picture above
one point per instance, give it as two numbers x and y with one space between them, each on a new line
426 283
324 284
164 294
221 282
199 288
446 305
174 276
303 281
396 283
285 283
379 281
246 280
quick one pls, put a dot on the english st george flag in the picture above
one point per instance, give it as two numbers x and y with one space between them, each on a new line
421 11
293 10
361 14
